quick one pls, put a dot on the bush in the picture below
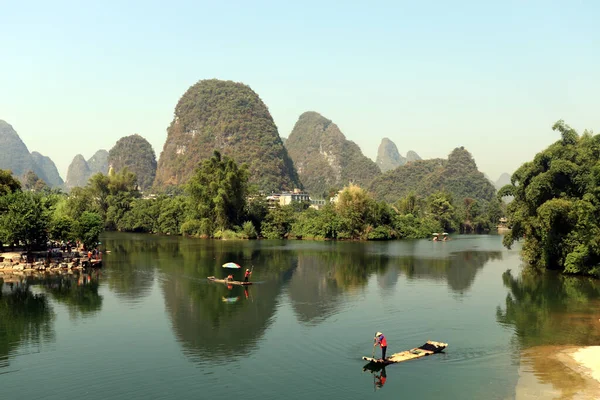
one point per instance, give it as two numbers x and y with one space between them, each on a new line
383 232
249 231
192 227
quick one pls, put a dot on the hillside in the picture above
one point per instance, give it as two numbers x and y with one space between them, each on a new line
15 156
324 157
231 118
458 175
99 162
136 154
48 168
80 170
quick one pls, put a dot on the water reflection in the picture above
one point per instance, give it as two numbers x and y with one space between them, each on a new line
215 322
26 319
458 269
550 309
209 327
130 264
379 374
79 292
552 316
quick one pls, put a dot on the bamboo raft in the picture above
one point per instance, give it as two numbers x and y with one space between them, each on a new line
427 349
213 279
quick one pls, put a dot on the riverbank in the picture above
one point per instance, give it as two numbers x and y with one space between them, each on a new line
559 372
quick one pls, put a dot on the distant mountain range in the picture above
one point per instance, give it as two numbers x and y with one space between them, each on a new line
231 118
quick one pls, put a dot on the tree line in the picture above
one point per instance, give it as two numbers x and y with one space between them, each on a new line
219 202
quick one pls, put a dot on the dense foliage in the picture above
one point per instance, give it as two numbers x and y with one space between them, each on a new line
30 218
136 154
556 204
218 193
324 157
231 118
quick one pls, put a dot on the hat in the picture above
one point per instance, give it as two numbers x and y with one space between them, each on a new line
247 269
378 334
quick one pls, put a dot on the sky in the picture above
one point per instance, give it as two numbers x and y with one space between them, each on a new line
431 76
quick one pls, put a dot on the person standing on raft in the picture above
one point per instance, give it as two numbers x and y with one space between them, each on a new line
382 342
247 275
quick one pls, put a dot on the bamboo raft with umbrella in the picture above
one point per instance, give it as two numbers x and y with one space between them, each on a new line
427 349
230 265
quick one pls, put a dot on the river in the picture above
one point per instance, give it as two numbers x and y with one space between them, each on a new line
148 325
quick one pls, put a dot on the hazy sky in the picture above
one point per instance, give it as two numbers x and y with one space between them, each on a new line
431 76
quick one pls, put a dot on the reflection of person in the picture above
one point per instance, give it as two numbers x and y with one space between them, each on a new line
246 292
247 275
381 378
382 342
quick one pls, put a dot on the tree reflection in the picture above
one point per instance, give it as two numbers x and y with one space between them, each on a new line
130 263
26 319
208 327
550 309
79 292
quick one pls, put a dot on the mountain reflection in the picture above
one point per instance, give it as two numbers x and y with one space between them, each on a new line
551 309
214 322
208 327
26 319
458 269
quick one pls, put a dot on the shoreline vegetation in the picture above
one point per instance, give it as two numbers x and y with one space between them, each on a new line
218 202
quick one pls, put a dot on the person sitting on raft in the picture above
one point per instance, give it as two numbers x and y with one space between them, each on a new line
382 342
230 277
247 275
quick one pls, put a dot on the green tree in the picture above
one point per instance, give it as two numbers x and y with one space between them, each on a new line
278 222
25 220
88 228
33 182
442 210
556 204
218 191
8 183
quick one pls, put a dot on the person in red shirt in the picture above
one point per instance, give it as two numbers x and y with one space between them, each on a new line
382 342
247 275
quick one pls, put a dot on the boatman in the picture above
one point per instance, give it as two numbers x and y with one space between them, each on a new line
382 342
247 275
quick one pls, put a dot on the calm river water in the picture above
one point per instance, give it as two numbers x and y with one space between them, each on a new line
149 325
